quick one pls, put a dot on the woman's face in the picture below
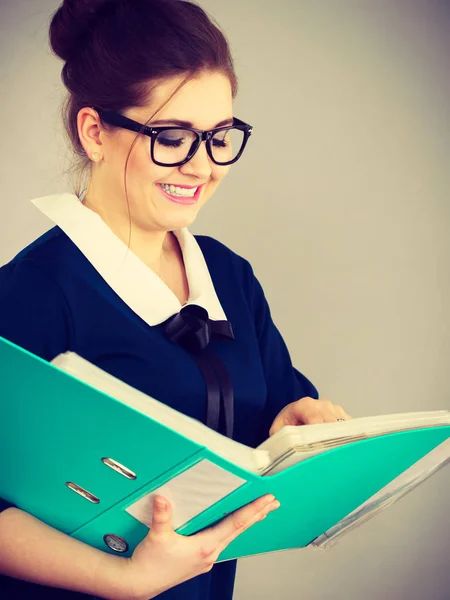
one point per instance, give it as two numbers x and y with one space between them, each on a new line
204 102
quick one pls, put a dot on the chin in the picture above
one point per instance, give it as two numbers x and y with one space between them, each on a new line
178 222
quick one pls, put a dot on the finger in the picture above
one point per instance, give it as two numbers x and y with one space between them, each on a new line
312 417
329 415
239 520
327 409
340 413
278 424
259 517
331 412
326 414
162 517
308 411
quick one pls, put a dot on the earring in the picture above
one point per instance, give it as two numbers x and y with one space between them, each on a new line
95 156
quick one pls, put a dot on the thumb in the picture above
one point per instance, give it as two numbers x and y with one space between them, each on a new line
162 517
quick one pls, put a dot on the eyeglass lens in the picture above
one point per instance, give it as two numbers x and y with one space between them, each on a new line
173 145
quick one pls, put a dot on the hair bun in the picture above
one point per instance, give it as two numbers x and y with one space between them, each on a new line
71 23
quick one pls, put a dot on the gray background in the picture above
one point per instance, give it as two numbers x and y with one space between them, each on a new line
340 203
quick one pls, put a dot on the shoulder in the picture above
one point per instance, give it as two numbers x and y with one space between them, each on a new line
47 263
219 257
227 268
209 245
33 309
25 267
45 250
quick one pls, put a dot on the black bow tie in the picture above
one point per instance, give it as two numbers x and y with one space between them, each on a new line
192 329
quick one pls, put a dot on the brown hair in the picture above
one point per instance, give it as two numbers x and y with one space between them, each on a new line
115 50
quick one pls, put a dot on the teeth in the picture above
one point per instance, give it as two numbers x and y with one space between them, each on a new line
177 191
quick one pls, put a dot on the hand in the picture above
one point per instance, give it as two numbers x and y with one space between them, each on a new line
164 558
308 411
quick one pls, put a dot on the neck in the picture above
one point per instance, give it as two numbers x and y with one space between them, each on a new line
153 247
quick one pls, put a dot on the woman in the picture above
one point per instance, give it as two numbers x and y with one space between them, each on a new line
149 113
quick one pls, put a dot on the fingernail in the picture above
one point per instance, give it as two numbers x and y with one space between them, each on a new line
275 505
270 499
160 504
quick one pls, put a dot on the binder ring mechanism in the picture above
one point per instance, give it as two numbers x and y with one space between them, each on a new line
116 466
112 464
114 542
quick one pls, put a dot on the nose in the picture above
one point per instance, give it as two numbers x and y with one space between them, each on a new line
200 164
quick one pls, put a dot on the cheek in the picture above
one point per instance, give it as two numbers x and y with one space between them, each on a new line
219 173
217 176
142 172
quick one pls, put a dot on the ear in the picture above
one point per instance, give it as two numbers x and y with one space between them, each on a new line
90 132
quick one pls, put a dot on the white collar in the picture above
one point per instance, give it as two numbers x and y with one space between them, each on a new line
138 285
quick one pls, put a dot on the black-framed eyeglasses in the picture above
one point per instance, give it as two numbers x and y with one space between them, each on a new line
172 146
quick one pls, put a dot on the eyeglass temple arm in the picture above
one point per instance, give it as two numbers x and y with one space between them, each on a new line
117 120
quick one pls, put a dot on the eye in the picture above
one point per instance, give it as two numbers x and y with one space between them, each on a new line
221 140
220 143
170 141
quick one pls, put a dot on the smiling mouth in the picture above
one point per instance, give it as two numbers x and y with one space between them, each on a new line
178 190
180 194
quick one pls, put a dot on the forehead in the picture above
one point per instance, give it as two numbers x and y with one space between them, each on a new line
204 101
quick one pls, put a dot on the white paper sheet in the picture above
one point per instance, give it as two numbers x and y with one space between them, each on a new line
189 493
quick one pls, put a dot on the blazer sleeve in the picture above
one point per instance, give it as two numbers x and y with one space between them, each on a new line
33 314
285 384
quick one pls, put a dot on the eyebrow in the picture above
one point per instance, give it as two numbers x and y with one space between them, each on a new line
188 123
